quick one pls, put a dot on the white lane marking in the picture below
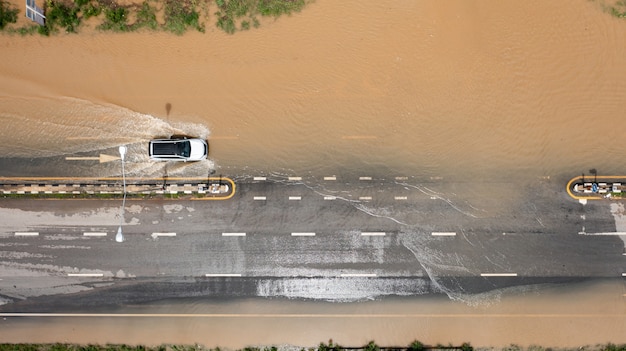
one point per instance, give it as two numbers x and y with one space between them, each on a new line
443 234
85 274
26 233
233 234
260 198
498 274
302 234
94 234
603 233
296 198
163 234
400 198
623 274
373 233
358 275
402 178
222 275
330 178
365 198
330 197
260 178
295 178
365 178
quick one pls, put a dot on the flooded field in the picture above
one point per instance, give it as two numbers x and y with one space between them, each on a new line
419 88
487 90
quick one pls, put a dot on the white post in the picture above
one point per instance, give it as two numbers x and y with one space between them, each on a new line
119 237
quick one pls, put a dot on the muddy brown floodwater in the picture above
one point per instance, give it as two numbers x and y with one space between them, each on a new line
450 88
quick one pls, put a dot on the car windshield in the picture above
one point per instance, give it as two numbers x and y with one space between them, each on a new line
184 148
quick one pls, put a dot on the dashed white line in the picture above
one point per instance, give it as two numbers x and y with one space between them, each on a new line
352 275
163 234
443 234
233 234
222 275
603 233
400 198
302 234
295 178
402 178
295 198
85 274
260 178
260 198
365 198
330 178
498 274
365 178
94 234
330 197
373 233
26 233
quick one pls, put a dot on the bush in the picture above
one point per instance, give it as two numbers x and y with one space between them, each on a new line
60 14
8 14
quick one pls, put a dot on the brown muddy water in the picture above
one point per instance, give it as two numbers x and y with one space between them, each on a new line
422 88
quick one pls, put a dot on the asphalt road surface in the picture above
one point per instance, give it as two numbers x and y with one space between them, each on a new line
336 238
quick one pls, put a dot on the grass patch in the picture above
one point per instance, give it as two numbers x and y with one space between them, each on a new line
63 14
146 17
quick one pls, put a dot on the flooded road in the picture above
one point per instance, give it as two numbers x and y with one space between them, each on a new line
485 91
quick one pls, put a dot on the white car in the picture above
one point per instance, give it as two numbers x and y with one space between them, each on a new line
185 149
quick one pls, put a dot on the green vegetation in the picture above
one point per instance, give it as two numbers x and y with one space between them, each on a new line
233 15
618 9
181 15
8 14
178 16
